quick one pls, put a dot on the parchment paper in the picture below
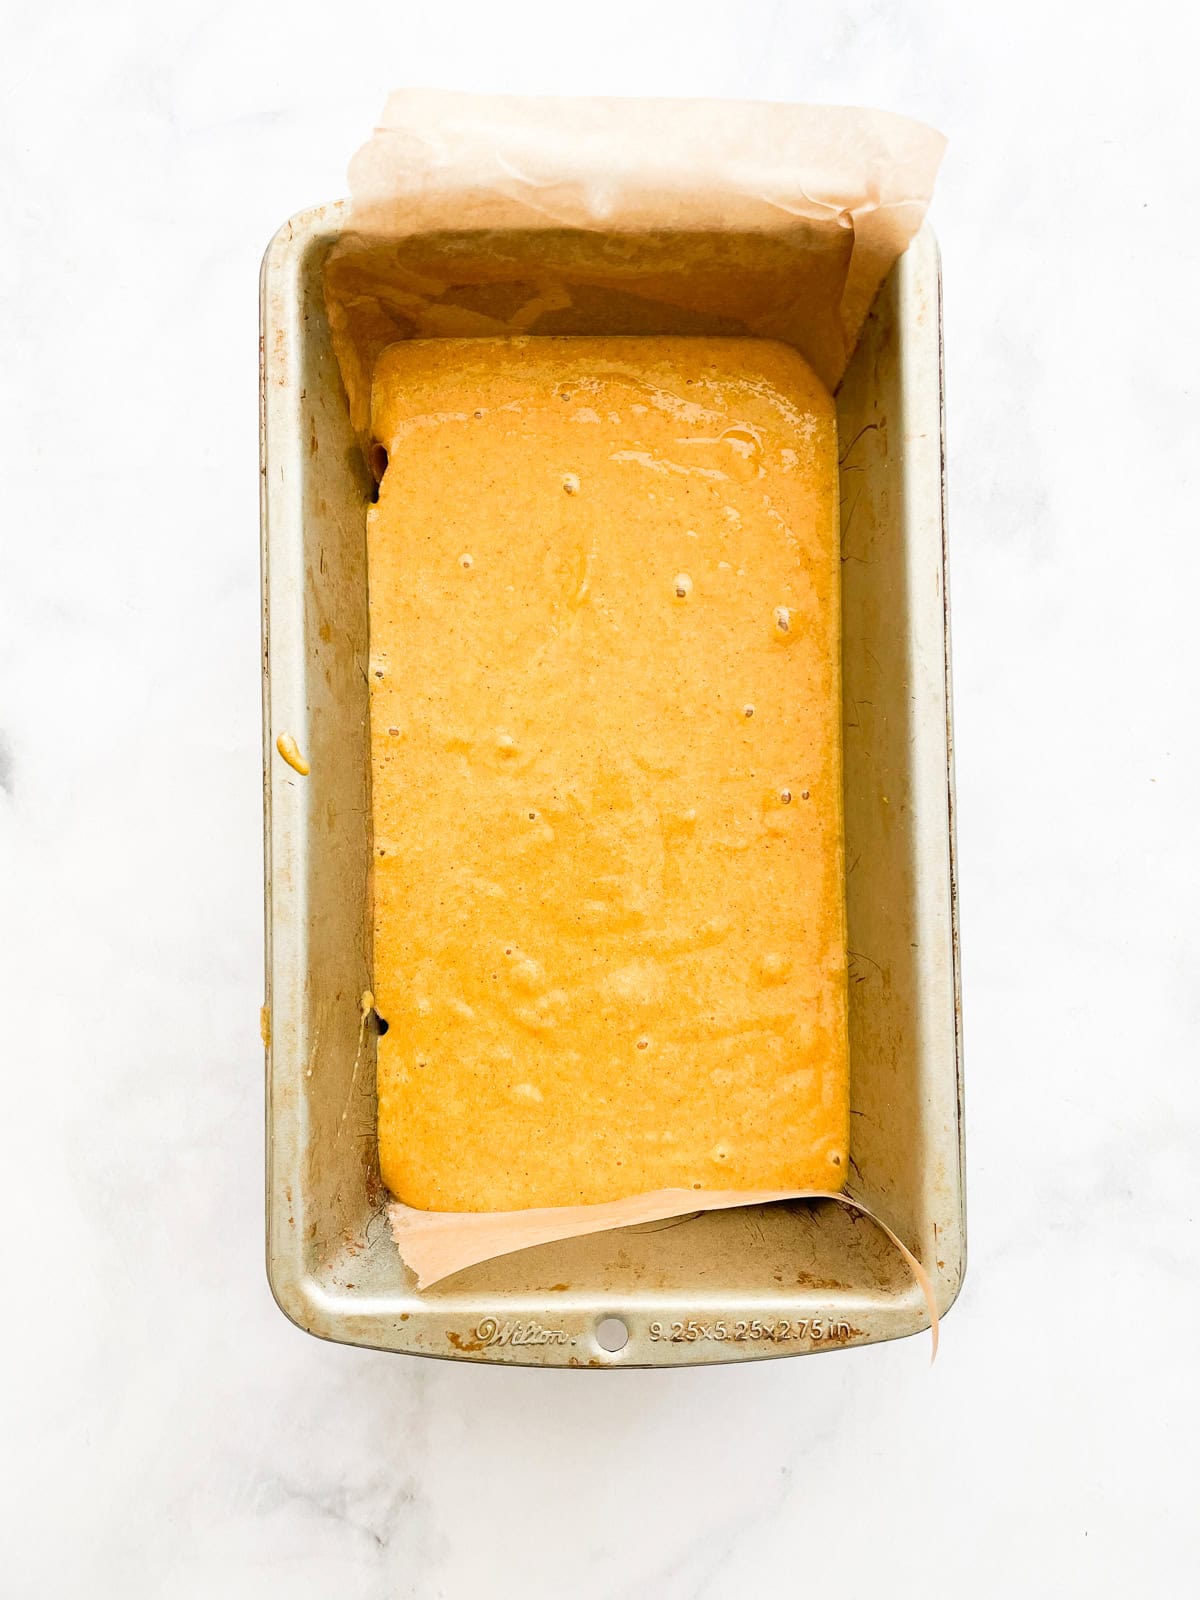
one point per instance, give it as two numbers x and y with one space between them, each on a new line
475 215
435 1244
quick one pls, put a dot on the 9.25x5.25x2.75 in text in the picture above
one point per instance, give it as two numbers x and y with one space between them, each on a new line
754 1328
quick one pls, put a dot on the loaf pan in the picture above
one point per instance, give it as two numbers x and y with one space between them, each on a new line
765 1281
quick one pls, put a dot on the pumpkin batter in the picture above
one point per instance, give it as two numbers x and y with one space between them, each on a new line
606 758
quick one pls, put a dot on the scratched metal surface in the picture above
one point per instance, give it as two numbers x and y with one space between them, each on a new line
735 1285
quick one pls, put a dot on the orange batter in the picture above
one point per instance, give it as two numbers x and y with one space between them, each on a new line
606 755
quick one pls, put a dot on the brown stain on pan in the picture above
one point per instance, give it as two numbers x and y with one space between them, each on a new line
466 1346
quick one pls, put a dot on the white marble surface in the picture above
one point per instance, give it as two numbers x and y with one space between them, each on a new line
167 1432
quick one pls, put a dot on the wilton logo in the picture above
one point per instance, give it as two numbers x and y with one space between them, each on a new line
491 1332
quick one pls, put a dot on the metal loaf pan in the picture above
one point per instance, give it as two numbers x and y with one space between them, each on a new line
723 1286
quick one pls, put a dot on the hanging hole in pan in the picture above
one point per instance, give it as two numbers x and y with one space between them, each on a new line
381 1024
612 1335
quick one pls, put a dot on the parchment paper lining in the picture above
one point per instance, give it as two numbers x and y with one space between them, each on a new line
475 215
435 1244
